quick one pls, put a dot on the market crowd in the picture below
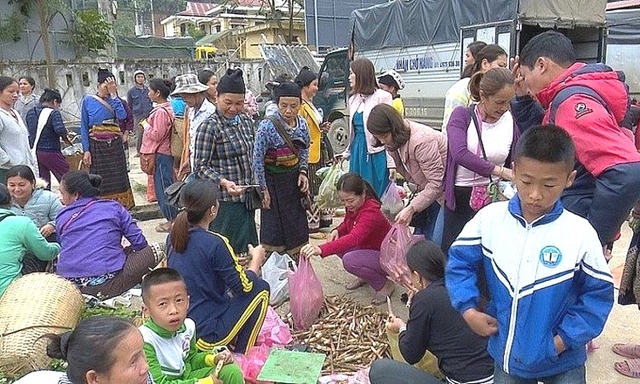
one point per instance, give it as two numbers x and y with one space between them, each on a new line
499 291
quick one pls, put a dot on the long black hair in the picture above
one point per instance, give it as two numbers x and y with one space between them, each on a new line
426 258
89 347
196 198
354 183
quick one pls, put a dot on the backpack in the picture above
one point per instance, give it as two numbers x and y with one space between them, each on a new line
571 90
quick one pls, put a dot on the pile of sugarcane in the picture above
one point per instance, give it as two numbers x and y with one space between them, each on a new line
352 336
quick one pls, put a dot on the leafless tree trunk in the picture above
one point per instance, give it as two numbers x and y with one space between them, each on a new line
43 14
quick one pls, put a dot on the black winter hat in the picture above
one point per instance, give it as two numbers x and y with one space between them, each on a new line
287 89
103 75
305 77
232 82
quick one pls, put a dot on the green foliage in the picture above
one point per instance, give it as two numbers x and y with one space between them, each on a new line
11 28
125 24
196 32
91 32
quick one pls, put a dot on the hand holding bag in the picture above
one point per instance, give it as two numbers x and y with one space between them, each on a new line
307 297
253 198
482 195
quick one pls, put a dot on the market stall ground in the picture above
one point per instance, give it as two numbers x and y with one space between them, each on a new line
622 326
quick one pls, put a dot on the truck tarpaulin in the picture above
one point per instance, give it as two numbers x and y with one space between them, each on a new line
563 14
403 24
423 22
624 26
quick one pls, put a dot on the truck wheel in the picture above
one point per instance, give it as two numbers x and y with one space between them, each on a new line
339 135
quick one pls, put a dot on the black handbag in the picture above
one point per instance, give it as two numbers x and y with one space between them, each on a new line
173 192
253 198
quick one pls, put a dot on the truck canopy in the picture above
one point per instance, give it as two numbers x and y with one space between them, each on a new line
426 22
624 26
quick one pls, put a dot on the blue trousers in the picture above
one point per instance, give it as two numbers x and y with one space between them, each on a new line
163 177
431 223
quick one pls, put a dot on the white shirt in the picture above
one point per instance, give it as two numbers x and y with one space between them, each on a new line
497 138
196 118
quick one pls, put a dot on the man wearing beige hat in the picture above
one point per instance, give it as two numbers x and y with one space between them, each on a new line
199 109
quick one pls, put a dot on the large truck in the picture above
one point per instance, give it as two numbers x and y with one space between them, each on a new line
425 40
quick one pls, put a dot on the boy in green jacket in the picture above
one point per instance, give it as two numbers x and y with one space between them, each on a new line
170 337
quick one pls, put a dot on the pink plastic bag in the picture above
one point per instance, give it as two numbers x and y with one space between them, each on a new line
307 298
393 253
274 331
252 362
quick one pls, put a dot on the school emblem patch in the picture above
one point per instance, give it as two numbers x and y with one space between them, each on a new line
582 109
550 256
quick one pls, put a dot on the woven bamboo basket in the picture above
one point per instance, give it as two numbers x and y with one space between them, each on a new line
33 306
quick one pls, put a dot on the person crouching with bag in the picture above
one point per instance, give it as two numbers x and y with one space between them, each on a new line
358 239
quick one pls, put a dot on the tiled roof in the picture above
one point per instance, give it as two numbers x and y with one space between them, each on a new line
197 9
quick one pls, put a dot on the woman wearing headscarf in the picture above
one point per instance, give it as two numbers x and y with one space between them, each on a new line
222 153
318 151
280 158
102 139
46 128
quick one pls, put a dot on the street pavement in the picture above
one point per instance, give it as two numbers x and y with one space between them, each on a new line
622 326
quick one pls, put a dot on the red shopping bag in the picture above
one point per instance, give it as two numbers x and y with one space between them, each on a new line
307 298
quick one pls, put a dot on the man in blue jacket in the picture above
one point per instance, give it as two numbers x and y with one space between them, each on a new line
140 104
550 290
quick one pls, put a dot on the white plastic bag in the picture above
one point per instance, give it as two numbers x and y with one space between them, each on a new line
276 272
391 201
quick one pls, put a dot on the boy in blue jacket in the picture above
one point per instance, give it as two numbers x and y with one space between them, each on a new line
550 290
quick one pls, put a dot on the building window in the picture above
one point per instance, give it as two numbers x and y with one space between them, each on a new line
183 29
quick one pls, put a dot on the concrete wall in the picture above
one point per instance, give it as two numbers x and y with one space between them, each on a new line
74 79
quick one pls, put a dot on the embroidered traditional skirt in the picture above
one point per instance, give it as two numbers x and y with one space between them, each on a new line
108 160
284 226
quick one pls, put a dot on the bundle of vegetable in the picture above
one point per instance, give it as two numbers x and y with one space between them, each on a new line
352 336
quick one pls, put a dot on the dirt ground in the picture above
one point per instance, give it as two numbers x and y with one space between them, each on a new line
622 326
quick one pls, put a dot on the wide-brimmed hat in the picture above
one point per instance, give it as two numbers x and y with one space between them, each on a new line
189 83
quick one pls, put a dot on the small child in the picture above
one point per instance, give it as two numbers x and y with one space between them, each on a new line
170 337
392 82
550 290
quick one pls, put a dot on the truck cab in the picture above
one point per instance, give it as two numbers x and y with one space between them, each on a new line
333 96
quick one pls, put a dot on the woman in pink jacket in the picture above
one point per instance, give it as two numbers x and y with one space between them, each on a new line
420 154
157 139
372 163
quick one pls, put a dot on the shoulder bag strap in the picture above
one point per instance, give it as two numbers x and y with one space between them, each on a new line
281 131
75 215
474 116
472 112
42 121
104 103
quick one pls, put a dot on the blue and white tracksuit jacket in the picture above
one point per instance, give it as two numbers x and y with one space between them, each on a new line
546 278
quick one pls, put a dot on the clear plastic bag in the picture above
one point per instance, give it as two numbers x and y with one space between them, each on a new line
391 201
306 295
328 191
393 253
276 272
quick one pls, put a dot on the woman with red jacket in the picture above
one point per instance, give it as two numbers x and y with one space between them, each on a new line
357 240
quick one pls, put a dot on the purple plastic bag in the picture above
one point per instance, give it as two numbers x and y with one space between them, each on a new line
307 298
